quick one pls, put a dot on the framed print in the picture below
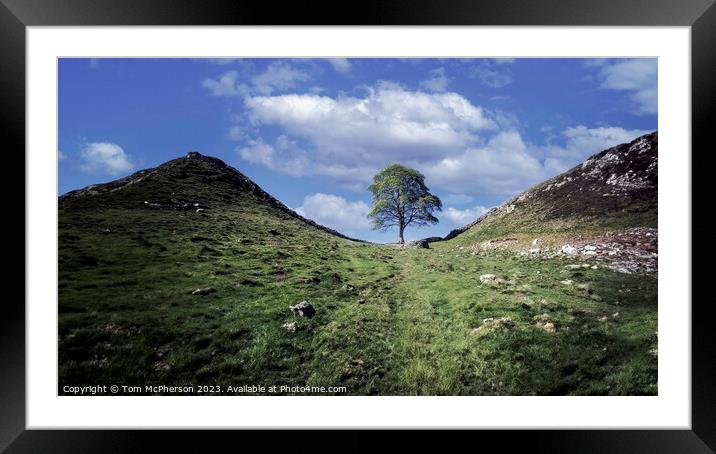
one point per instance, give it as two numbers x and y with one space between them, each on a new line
434 217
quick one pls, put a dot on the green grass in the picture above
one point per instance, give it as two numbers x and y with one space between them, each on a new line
126 313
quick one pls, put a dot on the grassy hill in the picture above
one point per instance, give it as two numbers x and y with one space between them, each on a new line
389 320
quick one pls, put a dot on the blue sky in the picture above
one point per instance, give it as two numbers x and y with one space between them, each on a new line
313 132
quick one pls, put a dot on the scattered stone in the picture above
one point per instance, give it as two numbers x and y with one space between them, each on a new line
615 315
654 352
566 282
160 366
348 288
536 241
487 278
603 319
549 327
303 309
502 322
203 291
290 327
589 253
542 318
361 301
568 249
590 248
573 267
595 267
535 250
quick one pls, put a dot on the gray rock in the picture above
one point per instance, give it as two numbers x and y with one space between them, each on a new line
203 291
419 244
290 327
303 309
487 278
568 249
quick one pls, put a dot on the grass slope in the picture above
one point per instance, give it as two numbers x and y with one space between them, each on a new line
127 315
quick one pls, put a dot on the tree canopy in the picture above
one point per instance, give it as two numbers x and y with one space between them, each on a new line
400 198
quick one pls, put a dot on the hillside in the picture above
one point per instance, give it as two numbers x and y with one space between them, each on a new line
186 274
615 188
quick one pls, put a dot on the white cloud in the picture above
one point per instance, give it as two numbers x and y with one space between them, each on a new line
581 142
492 73
636 76
278 76
335 212
502 166
504 61
437 81
104 157
285 157
389 123
61 156
462 217
94 63
225 85
341 65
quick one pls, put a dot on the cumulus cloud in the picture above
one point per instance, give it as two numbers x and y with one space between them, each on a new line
390 122
462 217
493 72
502 166
285 156
437 81
104 157
335 212
341 65
638 77
580 142
278 76
225 85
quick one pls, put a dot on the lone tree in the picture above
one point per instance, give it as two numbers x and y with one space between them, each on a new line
400 198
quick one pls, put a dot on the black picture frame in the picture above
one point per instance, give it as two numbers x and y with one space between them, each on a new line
16 15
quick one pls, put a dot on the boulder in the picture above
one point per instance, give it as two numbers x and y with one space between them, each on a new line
549 327
303 309
568 249
290 327
419 244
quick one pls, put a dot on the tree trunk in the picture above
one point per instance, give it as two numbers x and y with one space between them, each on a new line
402 228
